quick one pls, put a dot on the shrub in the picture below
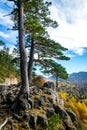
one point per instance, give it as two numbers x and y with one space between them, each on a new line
53 122
38 81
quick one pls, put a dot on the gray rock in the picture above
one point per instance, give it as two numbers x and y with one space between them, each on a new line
17 117
72 116
54 95
42 120
26 117
41 101
66 118
31 102
61 102
33 121
49 112
49 85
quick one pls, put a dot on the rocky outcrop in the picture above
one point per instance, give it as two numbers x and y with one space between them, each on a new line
72 116
10 81
66 118
42 104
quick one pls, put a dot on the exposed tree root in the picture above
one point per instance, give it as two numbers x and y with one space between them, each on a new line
7 121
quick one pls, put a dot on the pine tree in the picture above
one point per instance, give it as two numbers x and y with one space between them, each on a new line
23 57
56 70
36 20
7 68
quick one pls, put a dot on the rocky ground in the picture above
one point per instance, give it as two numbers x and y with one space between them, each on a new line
34 113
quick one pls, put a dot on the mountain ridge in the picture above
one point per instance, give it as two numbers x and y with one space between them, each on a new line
78 78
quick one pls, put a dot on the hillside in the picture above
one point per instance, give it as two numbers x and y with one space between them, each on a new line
43 104
79 79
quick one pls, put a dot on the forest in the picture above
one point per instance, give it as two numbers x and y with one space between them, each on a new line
35 103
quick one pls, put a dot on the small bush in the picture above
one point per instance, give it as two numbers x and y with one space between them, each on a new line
53 122
38 81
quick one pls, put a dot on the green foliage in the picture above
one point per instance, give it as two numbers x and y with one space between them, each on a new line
7 69
54 122
55 69
36 20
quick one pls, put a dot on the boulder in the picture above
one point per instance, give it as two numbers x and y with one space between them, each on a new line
33 121
72 116
49 112
49 85
41 101
42 120
66 118
54 95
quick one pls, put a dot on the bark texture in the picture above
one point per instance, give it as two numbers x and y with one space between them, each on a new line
30 65
23 56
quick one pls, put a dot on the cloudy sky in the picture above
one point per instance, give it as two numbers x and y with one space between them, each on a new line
71 33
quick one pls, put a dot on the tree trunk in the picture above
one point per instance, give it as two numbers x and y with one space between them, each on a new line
23 57
30 65
56 82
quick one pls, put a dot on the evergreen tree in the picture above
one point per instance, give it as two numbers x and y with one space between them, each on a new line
56 70
7 68
36 20
23 57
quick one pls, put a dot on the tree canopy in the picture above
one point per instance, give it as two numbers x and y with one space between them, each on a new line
36 21
54 69
7 68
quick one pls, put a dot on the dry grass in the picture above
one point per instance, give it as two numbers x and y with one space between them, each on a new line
39 81
39 111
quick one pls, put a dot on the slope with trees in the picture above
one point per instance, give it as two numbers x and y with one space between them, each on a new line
37 38
36 101
32 18
7 68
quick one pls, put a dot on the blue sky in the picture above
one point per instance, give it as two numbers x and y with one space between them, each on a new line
71 33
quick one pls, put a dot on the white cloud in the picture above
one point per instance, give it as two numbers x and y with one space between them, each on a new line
12 37
72 19
68 54
5 24
5 20
2 34
80 51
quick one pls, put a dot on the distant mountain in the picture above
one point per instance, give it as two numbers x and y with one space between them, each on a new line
59 79
79 79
